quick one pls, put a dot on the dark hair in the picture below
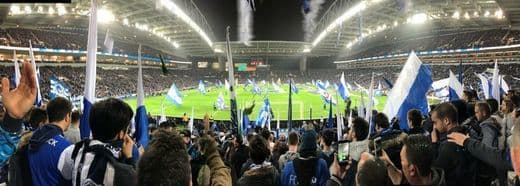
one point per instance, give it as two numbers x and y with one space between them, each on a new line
165 161
415 117
58 108
484 107
372 172
109 117
265 133
76 115
493 105
515 99
37 116
447 110
470 94
419 152
239 139
381 120
360 127
328 136
461 107
293 138
259 150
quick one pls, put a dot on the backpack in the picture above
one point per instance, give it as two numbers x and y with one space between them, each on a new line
19 170
124 174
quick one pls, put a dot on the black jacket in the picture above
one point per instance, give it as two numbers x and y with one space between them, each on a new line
458 164
263 176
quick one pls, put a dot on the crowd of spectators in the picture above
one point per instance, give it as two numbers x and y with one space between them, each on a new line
474 39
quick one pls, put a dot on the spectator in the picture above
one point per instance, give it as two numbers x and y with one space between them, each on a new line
72 134
357 135
489 127
371 171
457 164
507 109
307 169
165 161
416 161
47 143
261 172
37 118
279 149
415 120
326 138
293 142
214 172
109 120
239 155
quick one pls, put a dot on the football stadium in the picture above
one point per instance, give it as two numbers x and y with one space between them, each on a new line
260 92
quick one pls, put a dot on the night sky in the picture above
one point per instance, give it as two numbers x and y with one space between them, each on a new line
273 19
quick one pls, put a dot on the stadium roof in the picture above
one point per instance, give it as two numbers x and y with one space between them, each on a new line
180 28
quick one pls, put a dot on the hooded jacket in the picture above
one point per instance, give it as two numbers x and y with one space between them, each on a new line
262 176
289 176
45 148
490 132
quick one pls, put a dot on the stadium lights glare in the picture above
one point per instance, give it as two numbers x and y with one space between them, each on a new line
61 10
175 44
15 9
419 18
354 10
475 14
125 21
466 15
40 9
51 10
306 50
105 16
172 7
499 14
395 23
456 15
218 50
27 9
486 14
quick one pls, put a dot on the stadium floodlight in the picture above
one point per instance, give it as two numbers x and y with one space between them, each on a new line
354 10
349 45
40 10
125 21
466 15
499 14
419 18
486 14
306 50
456 15
105 16
51 10
218 50
172 7
475 14
175 44
27 9
15 9
61 9
396 23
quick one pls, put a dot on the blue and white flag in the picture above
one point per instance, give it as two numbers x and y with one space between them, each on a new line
219 84
504 87
220 102
361 108
343 88
38 101
294 88
485 85
409 91
264 115
326 84
58 89
455 88
202 87
388 83
325 95
249 82
256 89
141 117
90 75
17 73
174 96
226 84
277 88
109 42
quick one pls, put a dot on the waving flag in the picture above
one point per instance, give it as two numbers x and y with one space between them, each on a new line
455 88
141 118
256 89
294 89
325 95
190 123
264 116
279 82
485 85
163 116
202 88
58 89
409 91
361 108
16 70
174 96
495 84
343 88
226 84
388 83
249 82
504 87
38 101
277 88
109 42
368 115
220 102
90 77
327 84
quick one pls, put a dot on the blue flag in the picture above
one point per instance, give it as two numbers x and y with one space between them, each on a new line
410 90
343 88
141 118
174 96
454 87
329 123
58 89
220 102
294 89
202 88
90 77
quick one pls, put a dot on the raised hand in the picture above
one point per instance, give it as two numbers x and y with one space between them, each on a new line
457 138
20 100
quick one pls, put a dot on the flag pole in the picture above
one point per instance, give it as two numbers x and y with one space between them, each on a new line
232 98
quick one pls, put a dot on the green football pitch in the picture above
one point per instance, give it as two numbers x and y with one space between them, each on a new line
306 99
